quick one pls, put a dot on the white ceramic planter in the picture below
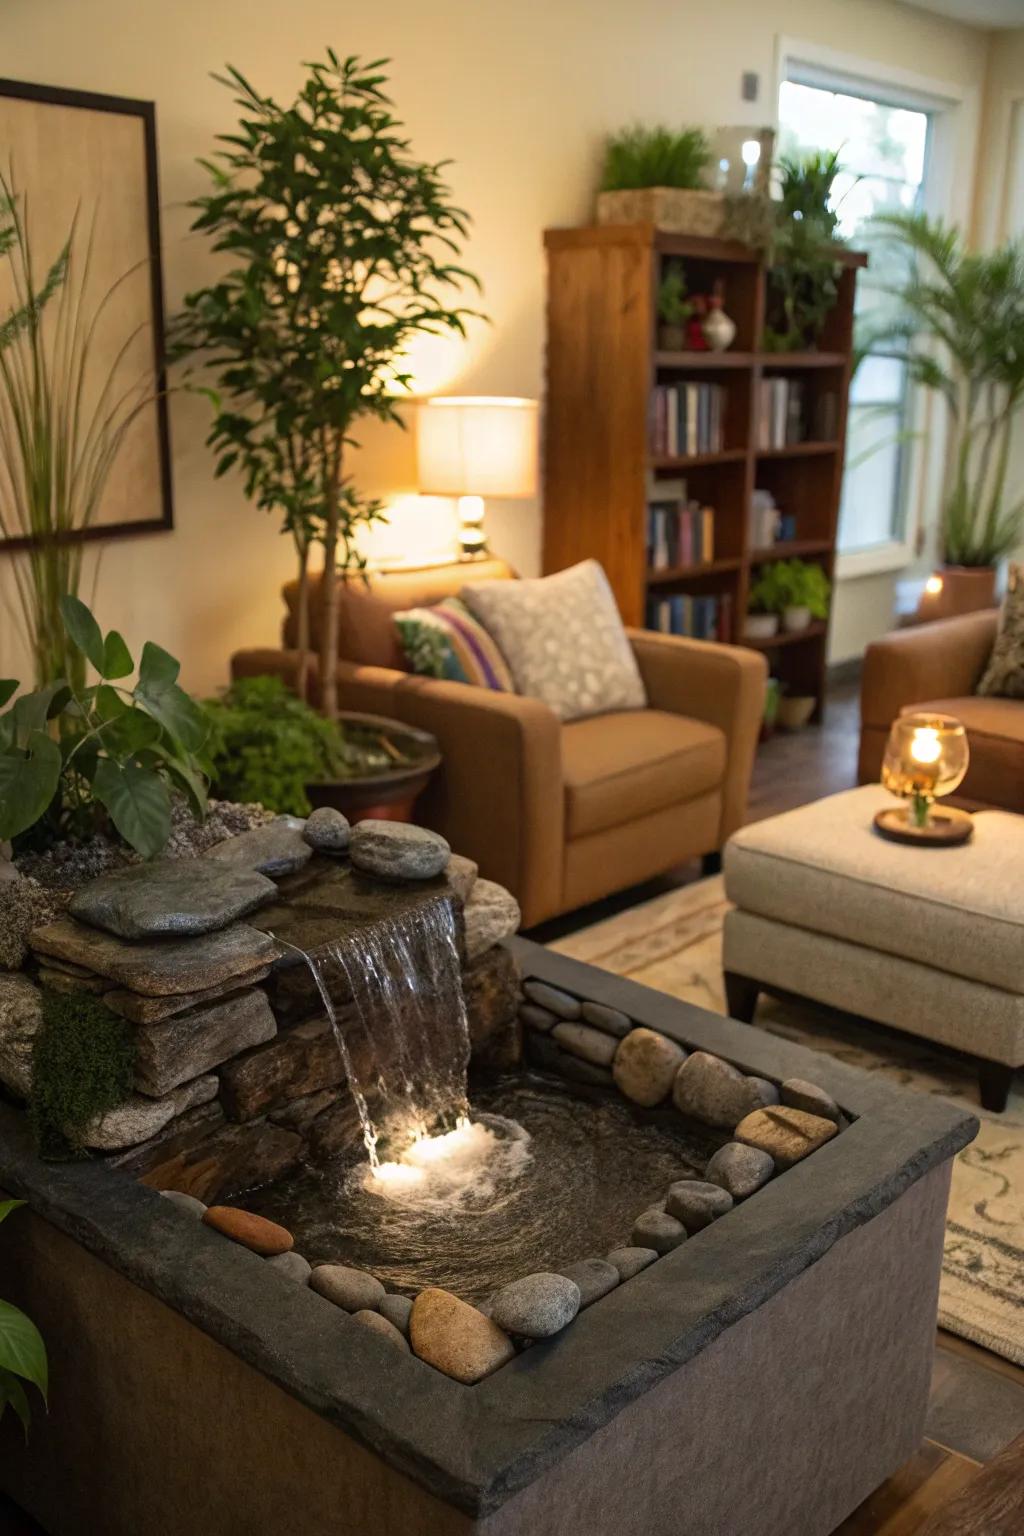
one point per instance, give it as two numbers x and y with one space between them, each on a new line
795 619
760 626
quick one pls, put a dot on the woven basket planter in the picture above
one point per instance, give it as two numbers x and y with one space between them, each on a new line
678 210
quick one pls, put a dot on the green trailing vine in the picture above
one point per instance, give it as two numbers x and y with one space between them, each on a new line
82 1066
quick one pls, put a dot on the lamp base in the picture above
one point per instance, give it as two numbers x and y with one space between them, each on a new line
947 827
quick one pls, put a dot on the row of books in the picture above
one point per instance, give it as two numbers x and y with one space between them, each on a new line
688 419
699 618
785 416
679 533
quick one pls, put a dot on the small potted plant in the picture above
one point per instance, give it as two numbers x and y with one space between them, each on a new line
674 309
762 620
793 590
658 176
794 710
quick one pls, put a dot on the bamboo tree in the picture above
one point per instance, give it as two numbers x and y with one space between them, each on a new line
342 248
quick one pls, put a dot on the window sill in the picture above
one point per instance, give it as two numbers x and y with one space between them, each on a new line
874 561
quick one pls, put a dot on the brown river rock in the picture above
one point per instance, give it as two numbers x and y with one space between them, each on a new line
785 1134
455 1338
254 1232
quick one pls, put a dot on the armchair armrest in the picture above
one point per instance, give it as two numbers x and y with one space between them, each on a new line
498 797
943 660
723 685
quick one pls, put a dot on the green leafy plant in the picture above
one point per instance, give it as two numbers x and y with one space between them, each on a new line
786 584
959 328
655 157
342 249
82 1066
64 416
22 1351
266 745
673 305
73 759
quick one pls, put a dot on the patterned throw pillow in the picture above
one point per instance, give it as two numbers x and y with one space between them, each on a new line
563 640
446 641
1004 675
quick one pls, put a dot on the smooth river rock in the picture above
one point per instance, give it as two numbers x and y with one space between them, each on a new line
21 1014
535 1017
170 897
537 1306
292 1266
397 1310
396 850
713 1091
740 1170
645 1066
491 914
593 1277
179 1049
351 1289
187 1203
588 1044
455 1338
276 848
139 1117
609 1019
697 1204
327 830
253 1232
462 875
562 1004
798 1093
379 1325
658 1230
785 1134
630 1261
161 967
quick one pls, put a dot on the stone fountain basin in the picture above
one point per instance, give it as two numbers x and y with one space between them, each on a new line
763 1378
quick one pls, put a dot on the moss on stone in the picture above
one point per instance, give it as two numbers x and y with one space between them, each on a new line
82 1066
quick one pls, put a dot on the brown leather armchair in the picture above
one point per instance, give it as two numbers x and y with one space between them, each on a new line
560 814
937 667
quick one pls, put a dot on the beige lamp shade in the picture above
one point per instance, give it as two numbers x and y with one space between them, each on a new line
477 445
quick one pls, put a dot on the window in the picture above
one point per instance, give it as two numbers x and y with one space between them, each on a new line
884 153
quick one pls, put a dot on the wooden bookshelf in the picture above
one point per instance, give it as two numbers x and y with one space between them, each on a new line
603 366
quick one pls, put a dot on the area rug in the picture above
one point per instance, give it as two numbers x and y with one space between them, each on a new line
674 943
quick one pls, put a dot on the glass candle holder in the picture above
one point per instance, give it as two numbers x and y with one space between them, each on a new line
926 757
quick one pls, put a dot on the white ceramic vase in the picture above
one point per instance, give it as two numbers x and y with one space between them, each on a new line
719 330
760 626
795 619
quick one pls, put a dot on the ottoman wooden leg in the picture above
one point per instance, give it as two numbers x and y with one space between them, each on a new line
994 1081
741 994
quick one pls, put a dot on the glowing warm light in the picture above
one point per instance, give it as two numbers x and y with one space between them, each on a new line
933 586
925 745
750 151
434 1149
396 1176
420 530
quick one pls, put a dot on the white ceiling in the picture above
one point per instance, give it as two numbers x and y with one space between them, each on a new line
979 13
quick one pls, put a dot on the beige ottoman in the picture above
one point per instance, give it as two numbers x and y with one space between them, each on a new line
928 940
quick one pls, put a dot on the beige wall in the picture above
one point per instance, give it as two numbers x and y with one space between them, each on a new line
519 94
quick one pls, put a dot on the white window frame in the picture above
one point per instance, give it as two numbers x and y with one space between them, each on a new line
947 193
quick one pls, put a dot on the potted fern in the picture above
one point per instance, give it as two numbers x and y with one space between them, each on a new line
659 176
794 591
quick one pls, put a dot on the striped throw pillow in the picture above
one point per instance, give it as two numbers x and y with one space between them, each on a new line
446 641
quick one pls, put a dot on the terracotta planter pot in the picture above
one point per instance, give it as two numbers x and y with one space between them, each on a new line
965 589
679 210
388 795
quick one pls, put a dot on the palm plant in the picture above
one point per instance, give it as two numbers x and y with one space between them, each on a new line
65 410
959 328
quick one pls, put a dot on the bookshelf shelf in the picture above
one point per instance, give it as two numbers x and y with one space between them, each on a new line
615 400
814 631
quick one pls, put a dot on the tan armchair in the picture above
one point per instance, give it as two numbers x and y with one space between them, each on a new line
560 814
938 666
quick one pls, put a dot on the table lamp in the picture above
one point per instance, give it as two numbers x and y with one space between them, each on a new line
926 756
472 446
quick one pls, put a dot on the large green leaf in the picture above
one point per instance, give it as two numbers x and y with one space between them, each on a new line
83 629
117 658
181 717
157 669
28 783
138 802
8 688
12 1391
21 1347
129 733
7 1206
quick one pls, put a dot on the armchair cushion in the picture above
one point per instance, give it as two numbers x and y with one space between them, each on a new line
446 641
622 766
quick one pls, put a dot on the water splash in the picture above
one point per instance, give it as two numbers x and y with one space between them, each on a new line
405 980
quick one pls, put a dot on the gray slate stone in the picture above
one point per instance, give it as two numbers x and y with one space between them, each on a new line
397 1310
187 1203
60 981
609 1019
740 1170
150 1010
594 1277
181 1048
537 1306
21 1014
697 1204
159 967
645 1066
491 914
798 1093
277 848
658 1230
396 850
327 830
139 1118
560 1003
292 1266
352 1289
588 1044
382 1328
170 897
535 1017
630 1261
713 1091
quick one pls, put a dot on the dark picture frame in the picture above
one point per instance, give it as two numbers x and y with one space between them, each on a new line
145 112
